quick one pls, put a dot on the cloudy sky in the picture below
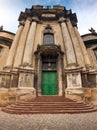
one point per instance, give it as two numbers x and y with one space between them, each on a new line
86 11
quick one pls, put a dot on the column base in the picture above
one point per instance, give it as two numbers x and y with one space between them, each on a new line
7 68
74 93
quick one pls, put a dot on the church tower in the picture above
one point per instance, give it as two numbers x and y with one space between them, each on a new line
47 53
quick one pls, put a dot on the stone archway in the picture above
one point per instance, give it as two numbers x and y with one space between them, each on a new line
49 64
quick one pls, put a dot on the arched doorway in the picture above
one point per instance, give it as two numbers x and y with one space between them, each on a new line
49 67
49 83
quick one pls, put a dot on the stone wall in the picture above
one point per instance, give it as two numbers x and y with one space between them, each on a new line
12 95
3 56
5 80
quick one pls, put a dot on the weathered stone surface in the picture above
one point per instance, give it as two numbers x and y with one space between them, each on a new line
84 121
27 59
21 45
74 61
13 49
74 80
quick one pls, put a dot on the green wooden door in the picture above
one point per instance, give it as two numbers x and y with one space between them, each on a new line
49 83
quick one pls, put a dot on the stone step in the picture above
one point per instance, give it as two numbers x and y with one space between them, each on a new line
48 105
51 98
49 112
49 109
51 103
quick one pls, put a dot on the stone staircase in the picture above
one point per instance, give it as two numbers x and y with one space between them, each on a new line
49 105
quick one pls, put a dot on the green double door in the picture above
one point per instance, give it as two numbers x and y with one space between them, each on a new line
49 83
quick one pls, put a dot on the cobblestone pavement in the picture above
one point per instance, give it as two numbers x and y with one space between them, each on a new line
86 121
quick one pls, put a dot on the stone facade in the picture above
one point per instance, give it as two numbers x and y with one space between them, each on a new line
47 40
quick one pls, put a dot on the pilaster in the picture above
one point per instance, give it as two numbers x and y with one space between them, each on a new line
21 46
71 60
27 59
13 48
76 46
83 48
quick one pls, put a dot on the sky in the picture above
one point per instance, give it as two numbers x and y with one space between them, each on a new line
86 11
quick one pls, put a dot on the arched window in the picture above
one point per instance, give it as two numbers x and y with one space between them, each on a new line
48 38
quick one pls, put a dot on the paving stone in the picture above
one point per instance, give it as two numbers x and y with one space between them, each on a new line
86 121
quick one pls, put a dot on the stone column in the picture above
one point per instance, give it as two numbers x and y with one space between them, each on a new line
21 46
60 84
83 48
71 60
13 49
39 74
77 48
27 60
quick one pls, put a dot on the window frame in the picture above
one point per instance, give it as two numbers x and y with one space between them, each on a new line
48 38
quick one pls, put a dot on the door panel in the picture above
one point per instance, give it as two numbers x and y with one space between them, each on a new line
49 83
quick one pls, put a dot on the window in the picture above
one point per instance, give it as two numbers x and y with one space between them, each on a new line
48 65
49 62
48 38
95 52
48 35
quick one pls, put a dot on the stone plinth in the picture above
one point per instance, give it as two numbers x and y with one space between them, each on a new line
94 94
74 93
74 80
25 93
3 96
26 78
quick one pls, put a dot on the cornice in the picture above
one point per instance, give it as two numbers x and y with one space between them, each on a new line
48 14
5 41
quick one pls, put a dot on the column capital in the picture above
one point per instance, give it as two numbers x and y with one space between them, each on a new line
29 18
62 19
22 22
35 19
67 20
